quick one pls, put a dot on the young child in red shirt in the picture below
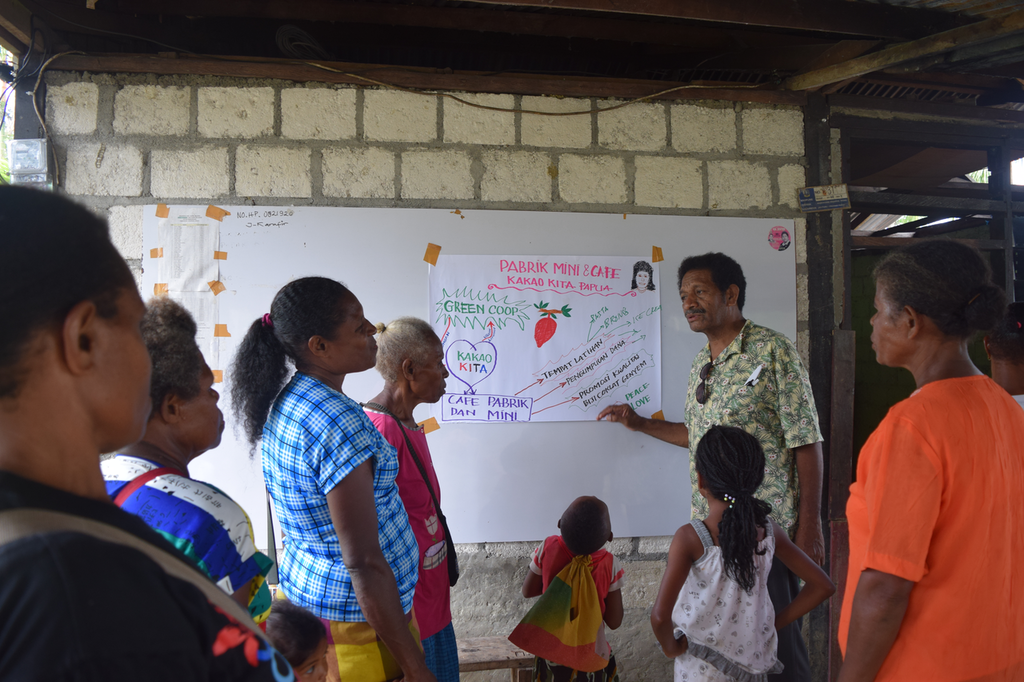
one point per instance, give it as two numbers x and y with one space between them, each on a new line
581 583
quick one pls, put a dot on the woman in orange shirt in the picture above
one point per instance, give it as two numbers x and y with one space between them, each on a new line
935 589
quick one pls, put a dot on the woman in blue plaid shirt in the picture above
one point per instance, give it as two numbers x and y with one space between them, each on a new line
350 556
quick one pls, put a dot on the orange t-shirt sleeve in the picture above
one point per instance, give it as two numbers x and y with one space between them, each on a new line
903 495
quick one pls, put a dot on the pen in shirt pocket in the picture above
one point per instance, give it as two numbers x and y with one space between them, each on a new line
752 380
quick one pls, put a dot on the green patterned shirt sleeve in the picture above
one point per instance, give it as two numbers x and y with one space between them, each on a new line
798 417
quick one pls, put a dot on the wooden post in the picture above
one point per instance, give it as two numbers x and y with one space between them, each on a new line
821 324
844 353
1000 189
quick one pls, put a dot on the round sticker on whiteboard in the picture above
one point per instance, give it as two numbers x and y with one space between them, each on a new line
778 238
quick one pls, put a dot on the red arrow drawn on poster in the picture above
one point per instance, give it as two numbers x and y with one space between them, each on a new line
537 400
490 332
570 400
533 384
445 335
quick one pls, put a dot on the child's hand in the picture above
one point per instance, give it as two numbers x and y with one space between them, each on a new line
677 647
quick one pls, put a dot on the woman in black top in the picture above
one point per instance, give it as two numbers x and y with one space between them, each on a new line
74 383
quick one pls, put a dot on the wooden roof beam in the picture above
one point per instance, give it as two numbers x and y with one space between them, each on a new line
420 78
476 19
898 242
831 16
905 52
14 26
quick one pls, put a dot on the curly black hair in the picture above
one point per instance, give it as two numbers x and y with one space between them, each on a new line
585 525
731 462
725 272
170 335
294 631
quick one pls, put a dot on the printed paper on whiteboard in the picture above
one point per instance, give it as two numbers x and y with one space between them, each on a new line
189 239
203 306
546 338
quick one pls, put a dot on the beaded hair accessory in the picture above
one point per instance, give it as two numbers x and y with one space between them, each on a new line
728 498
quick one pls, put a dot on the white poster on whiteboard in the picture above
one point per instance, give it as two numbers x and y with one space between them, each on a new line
546 338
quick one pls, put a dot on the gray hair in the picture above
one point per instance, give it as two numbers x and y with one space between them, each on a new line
406 337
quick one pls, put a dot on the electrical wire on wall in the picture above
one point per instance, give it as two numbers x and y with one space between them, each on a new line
294 42
39 114
25 69
299 44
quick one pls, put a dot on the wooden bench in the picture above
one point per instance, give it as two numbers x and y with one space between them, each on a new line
495 653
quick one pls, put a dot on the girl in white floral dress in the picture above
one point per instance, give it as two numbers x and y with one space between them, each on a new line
712 613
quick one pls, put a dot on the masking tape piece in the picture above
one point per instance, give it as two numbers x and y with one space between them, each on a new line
221 330
162 211
659 415
623 216
430 425
218 376
157 252
433 251
216 213
216 287
159 289
656 255
220 255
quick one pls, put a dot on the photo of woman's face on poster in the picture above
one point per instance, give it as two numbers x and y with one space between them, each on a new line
643 277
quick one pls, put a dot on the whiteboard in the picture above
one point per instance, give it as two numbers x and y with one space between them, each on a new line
499 481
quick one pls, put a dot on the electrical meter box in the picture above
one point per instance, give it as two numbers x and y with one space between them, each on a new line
29 163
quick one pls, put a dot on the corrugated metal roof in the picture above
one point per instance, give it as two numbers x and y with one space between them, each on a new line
989 9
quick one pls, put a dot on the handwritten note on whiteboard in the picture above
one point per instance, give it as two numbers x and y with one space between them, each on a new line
546 338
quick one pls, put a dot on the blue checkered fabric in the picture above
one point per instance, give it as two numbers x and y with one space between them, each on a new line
314 437
442 654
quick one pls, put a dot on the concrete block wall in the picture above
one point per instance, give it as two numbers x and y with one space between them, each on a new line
123 141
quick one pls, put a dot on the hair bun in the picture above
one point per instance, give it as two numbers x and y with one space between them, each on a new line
985 308
1015 313
380 326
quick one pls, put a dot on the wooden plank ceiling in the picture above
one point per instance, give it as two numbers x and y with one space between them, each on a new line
624 48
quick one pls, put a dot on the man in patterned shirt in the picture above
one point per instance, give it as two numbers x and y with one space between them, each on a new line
750 377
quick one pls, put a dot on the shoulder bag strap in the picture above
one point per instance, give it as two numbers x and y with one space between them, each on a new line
272 576
412 451
140 481
16 524
453 559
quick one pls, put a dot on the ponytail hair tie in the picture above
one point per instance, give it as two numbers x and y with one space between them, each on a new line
380 327
729 498
973 299
267 322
